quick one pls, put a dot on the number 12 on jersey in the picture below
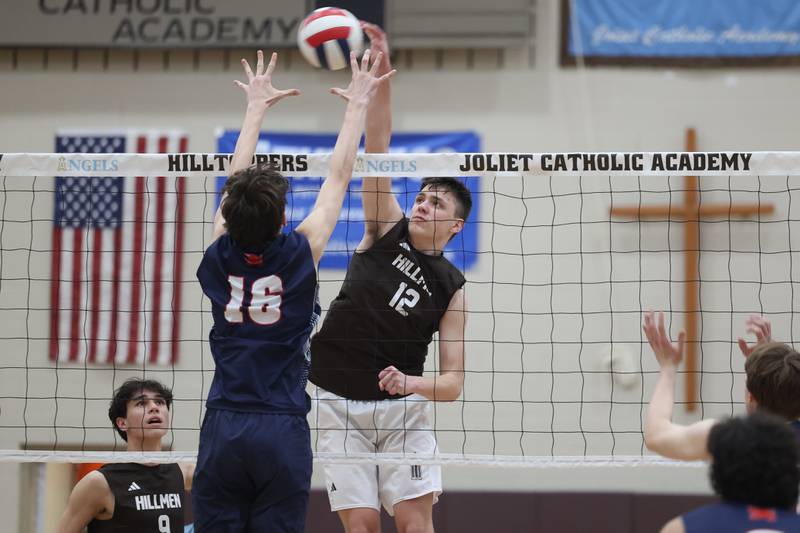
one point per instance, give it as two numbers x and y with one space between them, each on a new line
265 300
409 300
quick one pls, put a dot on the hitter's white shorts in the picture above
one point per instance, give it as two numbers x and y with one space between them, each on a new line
387 426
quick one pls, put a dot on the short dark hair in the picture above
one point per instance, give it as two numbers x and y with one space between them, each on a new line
773 378
755 461
457 188
255 205
129 390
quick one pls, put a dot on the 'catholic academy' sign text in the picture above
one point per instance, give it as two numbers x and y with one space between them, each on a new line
150 23
611 162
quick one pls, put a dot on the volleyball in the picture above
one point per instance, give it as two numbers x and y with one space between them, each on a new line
328 35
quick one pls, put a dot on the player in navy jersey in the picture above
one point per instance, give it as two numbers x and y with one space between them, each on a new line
367 359
754 470
131 496
772 385
254 459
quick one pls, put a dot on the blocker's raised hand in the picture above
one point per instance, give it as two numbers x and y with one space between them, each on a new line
761 328
365 81
259 88
667 352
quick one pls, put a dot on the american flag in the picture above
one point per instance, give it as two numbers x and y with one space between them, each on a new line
116 264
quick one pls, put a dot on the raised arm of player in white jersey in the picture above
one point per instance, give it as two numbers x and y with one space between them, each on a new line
261 95
91 498
319 224
661 434
381 209
447 386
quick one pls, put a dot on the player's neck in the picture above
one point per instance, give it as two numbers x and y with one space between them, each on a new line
428 245
152 444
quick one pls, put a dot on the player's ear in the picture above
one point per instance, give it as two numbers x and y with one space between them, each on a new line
750 403
121 423
457 226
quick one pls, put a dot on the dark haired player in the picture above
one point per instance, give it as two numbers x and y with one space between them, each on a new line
367 359
254 460
132 496
754 470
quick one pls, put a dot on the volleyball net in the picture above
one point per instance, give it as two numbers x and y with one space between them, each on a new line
563 254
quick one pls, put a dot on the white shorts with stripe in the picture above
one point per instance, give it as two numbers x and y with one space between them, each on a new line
386 426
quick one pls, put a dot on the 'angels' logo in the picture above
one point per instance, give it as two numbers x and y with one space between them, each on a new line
77 163
359 165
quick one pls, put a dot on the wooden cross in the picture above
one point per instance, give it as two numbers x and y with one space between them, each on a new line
691 212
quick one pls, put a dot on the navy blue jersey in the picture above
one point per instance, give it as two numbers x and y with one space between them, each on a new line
265 307
740 518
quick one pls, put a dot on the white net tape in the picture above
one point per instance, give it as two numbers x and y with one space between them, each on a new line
419 165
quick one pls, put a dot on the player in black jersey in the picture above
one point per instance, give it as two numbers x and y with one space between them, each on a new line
367 359
772 385
131 496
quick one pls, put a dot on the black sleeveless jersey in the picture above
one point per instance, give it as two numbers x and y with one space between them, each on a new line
386 313
146 498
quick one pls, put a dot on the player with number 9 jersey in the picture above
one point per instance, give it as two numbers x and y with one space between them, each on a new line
141 497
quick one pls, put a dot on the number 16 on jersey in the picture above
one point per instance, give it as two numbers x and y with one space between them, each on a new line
265 300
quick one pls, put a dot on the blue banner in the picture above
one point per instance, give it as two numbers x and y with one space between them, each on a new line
683 28
462 251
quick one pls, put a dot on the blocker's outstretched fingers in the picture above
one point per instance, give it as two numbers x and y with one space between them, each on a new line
247 70
272 62
388 75
376 63
365 60
259 62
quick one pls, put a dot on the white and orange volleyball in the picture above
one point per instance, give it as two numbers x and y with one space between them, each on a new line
327 35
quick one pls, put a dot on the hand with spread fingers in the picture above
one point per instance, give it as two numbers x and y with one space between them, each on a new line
661 434
259 88
365 80
667 352
761 328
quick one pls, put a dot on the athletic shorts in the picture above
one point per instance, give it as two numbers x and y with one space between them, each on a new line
386 426
253 473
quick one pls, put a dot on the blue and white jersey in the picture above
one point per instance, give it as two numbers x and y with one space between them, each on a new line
265 307
740 518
